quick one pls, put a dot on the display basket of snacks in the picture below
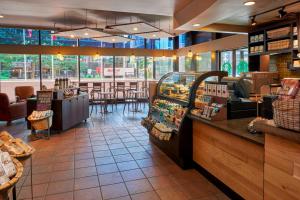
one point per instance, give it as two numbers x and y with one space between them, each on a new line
161 131
286 110
11 171
287 113
15 146
41 120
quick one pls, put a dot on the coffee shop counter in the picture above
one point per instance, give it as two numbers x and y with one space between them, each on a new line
227 151
67 112
255 166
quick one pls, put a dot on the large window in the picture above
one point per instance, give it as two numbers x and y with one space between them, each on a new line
241 61
163 65
185 64
18 69
203 62
227 62
19 36
234 62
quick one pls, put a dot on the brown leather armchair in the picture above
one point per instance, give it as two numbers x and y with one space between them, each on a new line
24 92
11 111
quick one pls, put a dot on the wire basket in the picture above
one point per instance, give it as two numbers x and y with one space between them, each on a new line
15 179
287 114
41 124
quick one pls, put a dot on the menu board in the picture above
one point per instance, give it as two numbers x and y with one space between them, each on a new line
44 99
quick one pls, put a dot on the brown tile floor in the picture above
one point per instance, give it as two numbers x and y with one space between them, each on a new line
108 158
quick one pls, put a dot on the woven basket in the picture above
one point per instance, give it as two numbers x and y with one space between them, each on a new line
287 114
15 179
279 32
24 155
41 124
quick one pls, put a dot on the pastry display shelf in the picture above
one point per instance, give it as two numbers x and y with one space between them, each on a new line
179 146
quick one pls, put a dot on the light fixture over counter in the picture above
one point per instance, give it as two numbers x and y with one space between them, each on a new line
113 39
81 33
135 27
155 35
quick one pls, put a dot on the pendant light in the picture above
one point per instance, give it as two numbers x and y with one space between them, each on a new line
60 56
174 57
190 54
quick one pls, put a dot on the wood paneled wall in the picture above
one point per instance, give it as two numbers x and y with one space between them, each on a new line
236 162
281 169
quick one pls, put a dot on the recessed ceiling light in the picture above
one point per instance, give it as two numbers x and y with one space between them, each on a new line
154 35
1 16
196 25
72 36
113 39
86 33
249 3
135 29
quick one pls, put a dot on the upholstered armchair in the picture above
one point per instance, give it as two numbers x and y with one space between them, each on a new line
24 92
11 111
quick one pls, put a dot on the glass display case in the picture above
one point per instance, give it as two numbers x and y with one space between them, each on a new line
177 86
167 122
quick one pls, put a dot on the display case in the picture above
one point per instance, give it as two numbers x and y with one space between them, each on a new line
167 122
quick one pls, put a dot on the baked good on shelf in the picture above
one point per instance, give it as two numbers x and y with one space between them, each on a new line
5 136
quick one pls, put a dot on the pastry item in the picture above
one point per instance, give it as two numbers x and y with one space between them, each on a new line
12 148
5 136
22 145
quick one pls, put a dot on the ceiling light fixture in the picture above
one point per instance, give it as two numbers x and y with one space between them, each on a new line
72 36
174 57
253 22
86 33
196 25
1 16
113 39
135 29
249 3
154 35
282 13
190 54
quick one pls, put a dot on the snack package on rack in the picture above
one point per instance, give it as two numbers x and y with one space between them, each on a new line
290 88
37 115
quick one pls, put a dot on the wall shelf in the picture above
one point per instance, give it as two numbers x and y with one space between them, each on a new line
255 59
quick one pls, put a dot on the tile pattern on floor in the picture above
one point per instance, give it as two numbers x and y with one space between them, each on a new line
107 157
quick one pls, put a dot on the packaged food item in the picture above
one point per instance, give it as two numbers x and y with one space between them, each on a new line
3 177
7 164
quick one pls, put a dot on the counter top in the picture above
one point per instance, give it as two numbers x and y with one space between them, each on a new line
237 127
268 126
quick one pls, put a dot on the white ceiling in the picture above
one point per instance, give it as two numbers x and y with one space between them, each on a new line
166 14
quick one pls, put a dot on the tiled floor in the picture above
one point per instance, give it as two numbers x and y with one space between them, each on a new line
108 158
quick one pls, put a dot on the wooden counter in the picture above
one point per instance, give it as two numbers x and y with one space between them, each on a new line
282 162
231 154
66 112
